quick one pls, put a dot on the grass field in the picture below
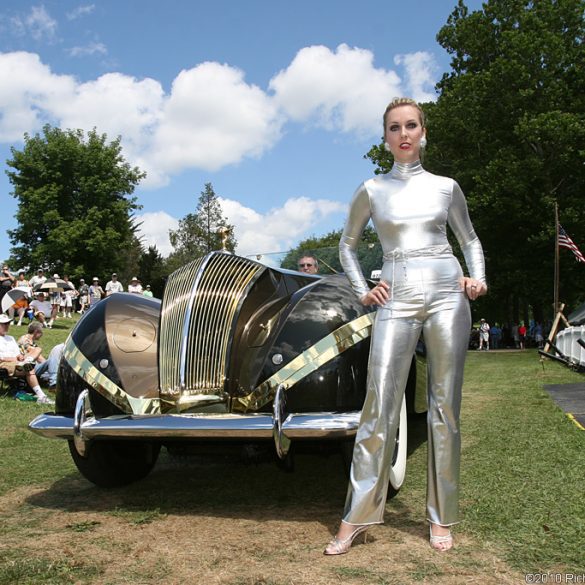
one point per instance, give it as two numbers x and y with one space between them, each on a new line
224 521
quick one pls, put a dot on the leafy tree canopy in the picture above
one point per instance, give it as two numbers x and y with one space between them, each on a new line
75 213
509 125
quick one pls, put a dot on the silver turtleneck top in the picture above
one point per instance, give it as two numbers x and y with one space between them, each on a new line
410 209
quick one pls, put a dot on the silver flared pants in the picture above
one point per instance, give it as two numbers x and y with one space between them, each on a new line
425 297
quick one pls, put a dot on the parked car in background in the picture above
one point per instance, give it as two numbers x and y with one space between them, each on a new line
238 352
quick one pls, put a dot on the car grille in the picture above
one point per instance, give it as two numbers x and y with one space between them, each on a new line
199 309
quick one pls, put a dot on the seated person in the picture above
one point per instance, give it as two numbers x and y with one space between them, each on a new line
18 310
15 363
28 342
42 309
47 369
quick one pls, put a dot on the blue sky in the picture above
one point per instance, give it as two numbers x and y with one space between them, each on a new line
272 102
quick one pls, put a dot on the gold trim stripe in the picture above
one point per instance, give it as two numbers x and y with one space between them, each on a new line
102 384
310 360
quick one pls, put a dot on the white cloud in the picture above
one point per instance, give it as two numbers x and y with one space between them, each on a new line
338 90
155 230
420 71
38 23
277 230
82 10
90 49
29 92
213 118
280 228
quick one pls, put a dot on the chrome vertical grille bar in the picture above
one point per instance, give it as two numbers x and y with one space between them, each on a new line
199 310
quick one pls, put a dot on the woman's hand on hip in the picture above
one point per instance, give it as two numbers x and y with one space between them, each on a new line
377 296
473 288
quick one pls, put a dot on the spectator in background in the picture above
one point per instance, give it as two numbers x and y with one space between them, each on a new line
67 298
41 309
496 336
522 335
484 335
95 292
37 279
83 296
135 287
538 336
515 335
147 292
114 285
6 280
28 342
55 300
308 264
15 363
23 284
19 308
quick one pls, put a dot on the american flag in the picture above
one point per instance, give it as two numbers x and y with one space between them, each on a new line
566 242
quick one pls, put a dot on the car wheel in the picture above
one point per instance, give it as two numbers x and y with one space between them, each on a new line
115 463
398 468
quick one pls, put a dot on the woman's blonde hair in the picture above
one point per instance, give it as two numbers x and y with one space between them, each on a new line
403 101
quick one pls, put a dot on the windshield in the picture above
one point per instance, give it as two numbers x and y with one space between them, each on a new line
369 256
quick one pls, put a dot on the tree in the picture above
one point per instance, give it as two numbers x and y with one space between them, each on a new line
152 270
509 125
74 212
199 233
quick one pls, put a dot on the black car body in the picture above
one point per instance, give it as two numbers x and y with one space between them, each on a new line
236 351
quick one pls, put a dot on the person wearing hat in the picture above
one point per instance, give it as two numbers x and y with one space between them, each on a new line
147 292
484 334
96 292
114 285
135 287
15 363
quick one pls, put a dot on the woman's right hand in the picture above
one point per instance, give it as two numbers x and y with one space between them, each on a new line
379 295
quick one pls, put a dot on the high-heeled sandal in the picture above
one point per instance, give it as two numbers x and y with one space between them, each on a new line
339 546
442 543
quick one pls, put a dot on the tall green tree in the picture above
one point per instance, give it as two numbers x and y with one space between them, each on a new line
152 270
199 233
509 126
75 214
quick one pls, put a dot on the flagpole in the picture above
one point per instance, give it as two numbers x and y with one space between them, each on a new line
556 289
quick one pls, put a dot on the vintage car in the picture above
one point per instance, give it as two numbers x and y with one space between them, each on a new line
236 352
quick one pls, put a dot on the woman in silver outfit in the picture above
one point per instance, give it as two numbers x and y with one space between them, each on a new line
422 289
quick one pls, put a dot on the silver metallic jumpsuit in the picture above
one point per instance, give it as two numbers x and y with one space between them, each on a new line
410 209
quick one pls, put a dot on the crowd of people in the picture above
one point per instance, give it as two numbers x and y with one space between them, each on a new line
46 304
41 305
509 336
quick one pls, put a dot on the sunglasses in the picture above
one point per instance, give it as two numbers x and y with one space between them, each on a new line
305 265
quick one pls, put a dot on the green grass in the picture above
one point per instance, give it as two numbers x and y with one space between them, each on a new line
523 463
523 470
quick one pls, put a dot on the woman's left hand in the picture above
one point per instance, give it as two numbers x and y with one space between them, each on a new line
473 288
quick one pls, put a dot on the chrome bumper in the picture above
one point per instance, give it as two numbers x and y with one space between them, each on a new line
315 425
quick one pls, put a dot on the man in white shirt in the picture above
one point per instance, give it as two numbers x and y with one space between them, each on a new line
42 309
38 278
15 363
114 285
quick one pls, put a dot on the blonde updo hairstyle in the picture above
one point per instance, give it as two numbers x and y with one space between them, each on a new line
403 101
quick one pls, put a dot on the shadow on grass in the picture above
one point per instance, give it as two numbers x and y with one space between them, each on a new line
224 485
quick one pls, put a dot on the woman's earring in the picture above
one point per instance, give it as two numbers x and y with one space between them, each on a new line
423 142
386 147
